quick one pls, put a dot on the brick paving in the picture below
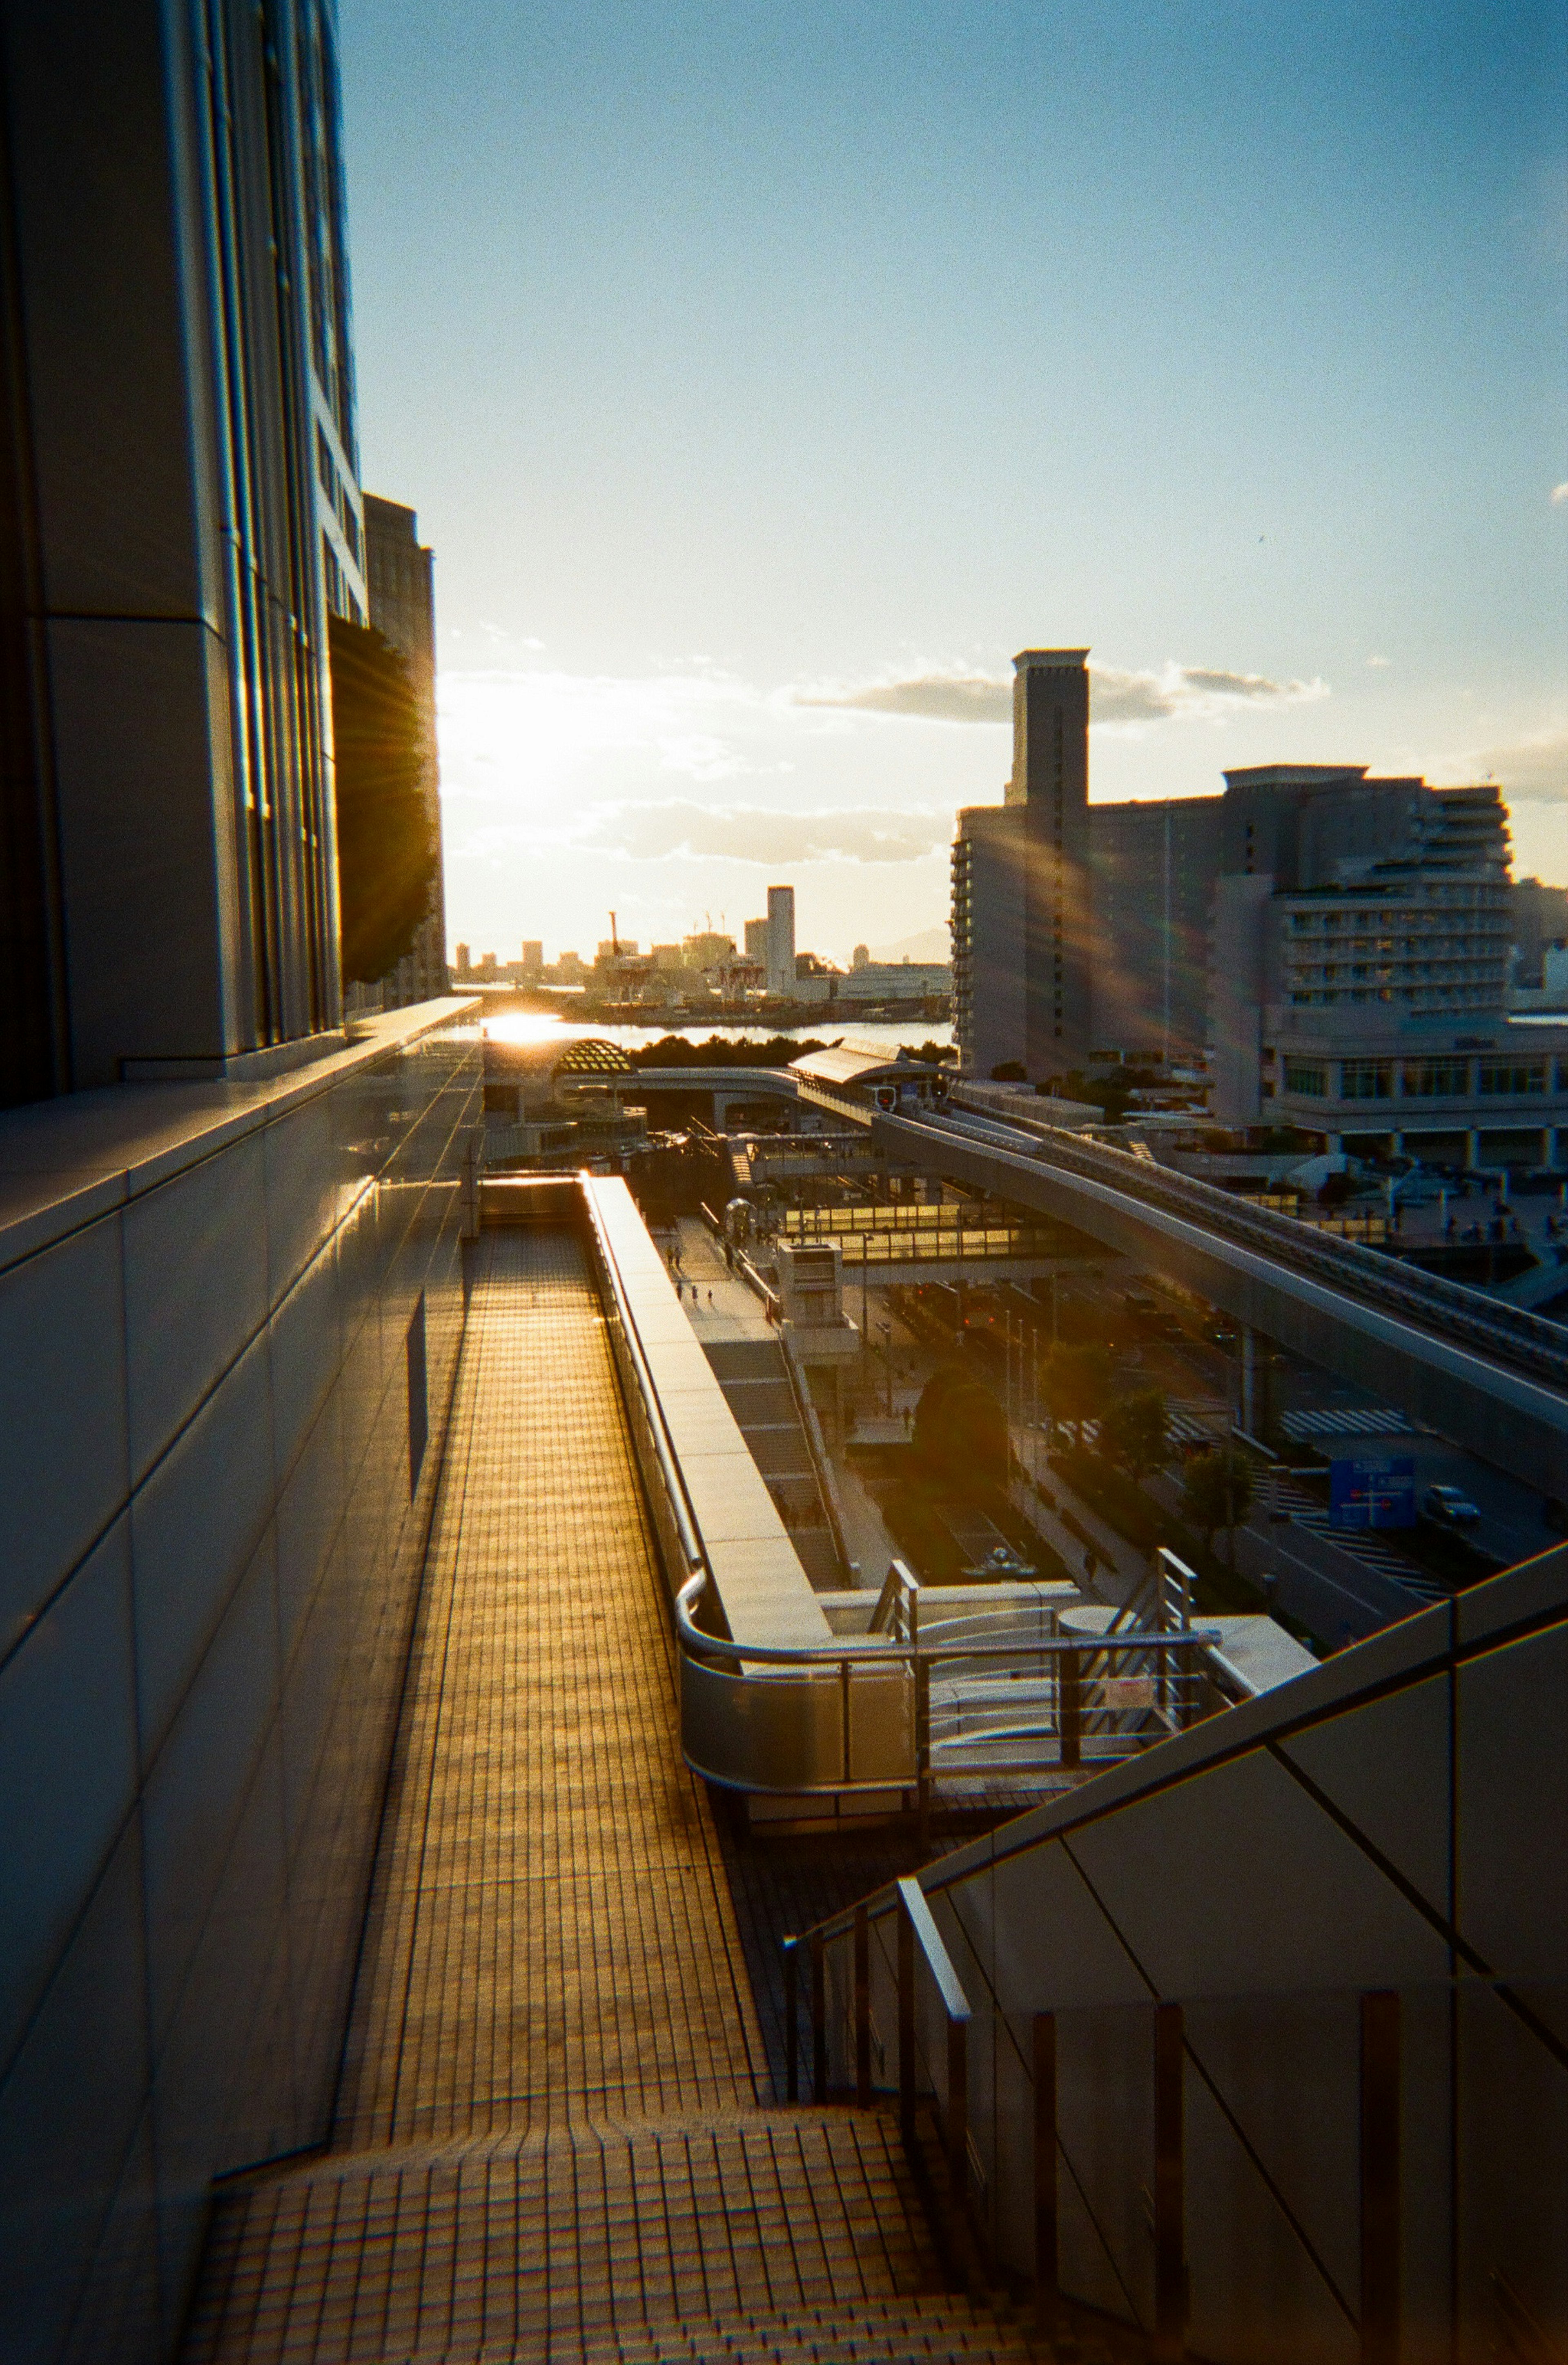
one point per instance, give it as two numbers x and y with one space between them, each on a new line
555 2135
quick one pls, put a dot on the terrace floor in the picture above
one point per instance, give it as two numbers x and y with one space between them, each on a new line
556 2134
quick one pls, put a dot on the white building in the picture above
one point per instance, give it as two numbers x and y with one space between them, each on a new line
781 942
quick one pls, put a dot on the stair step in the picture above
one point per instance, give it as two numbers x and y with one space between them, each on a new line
534 2243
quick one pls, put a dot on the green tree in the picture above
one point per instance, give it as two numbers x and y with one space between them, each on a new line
1218 1491
960 1429
386 848
1134 1433
1078 1385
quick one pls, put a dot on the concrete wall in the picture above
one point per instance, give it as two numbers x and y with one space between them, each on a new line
229 1319
1391 1822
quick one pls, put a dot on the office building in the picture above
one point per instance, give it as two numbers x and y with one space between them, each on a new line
1051 784
1154 863
781 942
533 956
756 941
1023 899
1361 950
905 981
181 506
399 573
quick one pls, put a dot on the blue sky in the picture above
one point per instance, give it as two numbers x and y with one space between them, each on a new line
747 363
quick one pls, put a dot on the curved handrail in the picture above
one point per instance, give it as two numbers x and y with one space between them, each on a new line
884 1651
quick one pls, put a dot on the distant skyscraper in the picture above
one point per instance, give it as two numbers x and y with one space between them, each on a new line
533 955
781 941
757 941
1023 899
400 573
179 504
1050 782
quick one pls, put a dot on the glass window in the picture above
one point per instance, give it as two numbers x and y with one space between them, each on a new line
1513 1076
1366 1079
1436 1078
1306 1076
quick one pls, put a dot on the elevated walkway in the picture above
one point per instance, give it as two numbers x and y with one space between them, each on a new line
556 2137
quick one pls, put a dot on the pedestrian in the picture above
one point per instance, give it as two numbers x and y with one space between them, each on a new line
710 1297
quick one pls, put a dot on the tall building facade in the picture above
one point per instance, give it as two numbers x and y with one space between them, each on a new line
400 572
781 942
1050 785
1154 864
180 490
231 1283
1023 896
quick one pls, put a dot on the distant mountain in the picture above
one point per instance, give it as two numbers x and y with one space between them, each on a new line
928 945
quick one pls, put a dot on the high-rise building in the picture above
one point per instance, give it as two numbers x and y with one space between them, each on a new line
755 940
989 999
1022 893
1154 863
533 955
179 503
399 572
781 942
1050 782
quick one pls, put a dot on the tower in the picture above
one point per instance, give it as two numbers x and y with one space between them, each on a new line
1050 782
781 942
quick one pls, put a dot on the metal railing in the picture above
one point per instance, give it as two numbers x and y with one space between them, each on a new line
876 1713
917 1939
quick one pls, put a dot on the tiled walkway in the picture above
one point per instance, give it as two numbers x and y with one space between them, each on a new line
556 2138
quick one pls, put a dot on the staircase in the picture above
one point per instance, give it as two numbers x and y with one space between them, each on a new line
770 2235
757 1389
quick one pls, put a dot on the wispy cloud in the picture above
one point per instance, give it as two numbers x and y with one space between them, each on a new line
752 833
1531 771
1117 696
929 698
1559 496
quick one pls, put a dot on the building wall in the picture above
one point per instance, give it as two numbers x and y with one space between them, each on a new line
1387 1826
989 987
400 575
229 1321
177 382
781 943
1154 863
1050 780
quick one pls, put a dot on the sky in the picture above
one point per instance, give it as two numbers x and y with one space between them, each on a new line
764 378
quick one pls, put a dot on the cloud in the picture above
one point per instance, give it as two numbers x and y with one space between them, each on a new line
1533 771
751 834
930 698
1559 496
1377 662
1116 695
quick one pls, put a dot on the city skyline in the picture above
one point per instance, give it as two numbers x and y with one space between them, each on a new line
734 369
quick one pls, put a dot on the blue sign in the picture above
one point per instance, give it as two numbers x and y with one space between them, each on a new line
1372 1493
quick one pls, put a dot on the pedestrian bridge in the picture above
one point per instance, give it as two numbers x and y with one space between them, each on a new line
1492 1376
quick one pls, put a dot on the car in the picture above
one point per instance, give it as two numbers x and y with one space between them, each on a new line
1450 1506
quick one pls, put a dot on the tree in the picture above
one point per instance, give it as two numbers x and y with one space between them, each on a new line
386 848
1218 1491
960 1429
1078 1385
1009 1072
1135 1432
